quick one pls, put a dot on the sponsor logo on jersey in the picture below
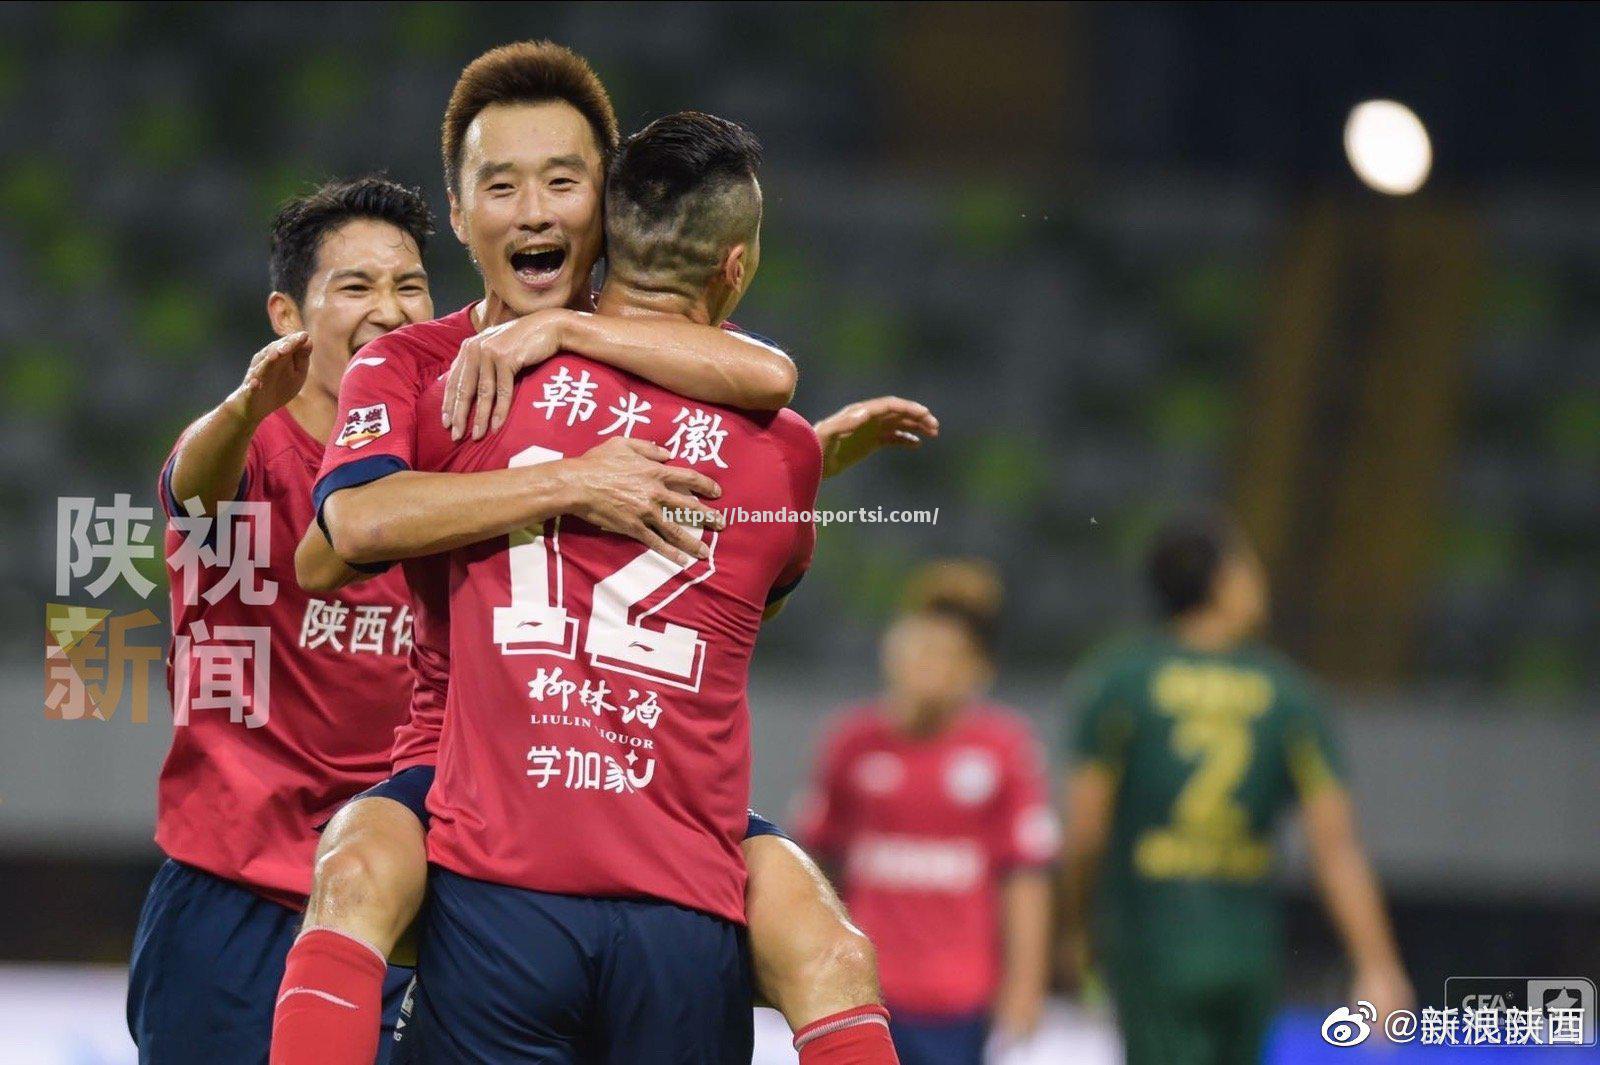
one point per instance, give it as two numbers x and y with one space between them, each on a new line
363 425
910 863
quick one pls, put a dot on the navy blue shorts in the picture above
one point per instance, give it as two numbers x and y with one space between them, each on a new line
513 976
409 788
760 826
938 1040
207 961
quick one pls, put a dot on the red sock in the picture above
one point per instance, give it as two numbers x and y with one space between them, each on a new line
857 1036
330 1004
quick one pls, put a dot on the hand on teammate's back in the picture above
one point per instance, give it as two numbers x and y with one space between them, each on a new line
484 373
853 433
277 373
625 487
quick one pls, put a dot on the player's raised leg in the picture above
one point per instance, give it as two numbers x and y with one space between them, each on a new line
811 963
371 874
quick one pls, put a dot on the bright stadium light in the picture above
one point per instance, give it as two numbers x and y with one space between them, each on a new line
1388 147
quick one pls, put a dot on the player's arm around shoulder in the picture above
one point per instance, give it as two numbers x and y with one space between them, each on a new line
702 362
208 465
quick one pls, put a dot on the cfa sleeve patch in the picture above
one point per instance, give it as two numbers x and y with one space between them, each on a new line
363 425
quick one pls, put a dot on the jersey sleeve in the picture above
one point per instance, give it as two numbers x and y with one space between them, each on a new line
250 478
378 402
822 814
1310 749
1104 724
1026 833
803 456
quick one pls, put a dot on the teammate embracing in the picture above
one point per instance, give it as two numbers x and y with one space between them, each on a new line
587 900
320 680
525 139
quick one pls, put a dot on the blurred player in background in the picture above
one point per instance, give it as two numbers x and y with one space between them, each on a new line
1190 745
525 139
933 807
318 699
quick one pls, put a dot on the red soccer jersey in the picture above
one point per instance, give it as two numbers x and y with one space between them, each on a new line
379 411
925 830
597 737
271 736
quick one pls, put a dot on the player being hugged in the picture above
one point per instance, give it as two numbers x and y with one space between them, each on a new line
527 135
588 895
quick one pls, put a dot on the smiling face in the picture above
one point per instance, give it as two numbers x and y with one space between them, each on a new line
368 280
528 208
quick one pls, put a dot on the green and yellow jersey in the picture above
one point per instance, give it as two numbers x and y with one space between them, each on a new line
1207 750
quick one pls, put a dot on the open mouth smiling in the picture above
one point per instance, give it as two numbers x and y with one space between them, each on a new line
538 267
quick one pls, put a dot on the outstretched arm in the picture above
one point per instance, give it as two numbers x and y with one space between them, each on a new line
699 361
1354 899
851 434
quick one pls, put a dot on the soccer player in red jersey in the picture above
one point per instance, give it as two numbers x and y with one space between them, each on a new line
587 900
263 749
934 806
531 219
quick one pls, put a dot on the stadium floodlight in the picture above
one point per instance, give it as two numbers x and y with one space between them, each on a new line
1388 147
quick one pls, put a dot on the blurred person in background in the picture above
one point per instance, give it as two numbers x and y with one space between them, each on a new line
1190 744
932 806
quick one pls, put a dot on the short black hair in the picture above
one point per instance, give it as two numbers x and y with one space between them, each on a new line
679 193
1188 550
301 224
526 72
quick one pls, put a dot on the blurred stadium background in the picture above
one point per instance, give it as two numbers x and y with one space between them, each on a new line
1117 248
